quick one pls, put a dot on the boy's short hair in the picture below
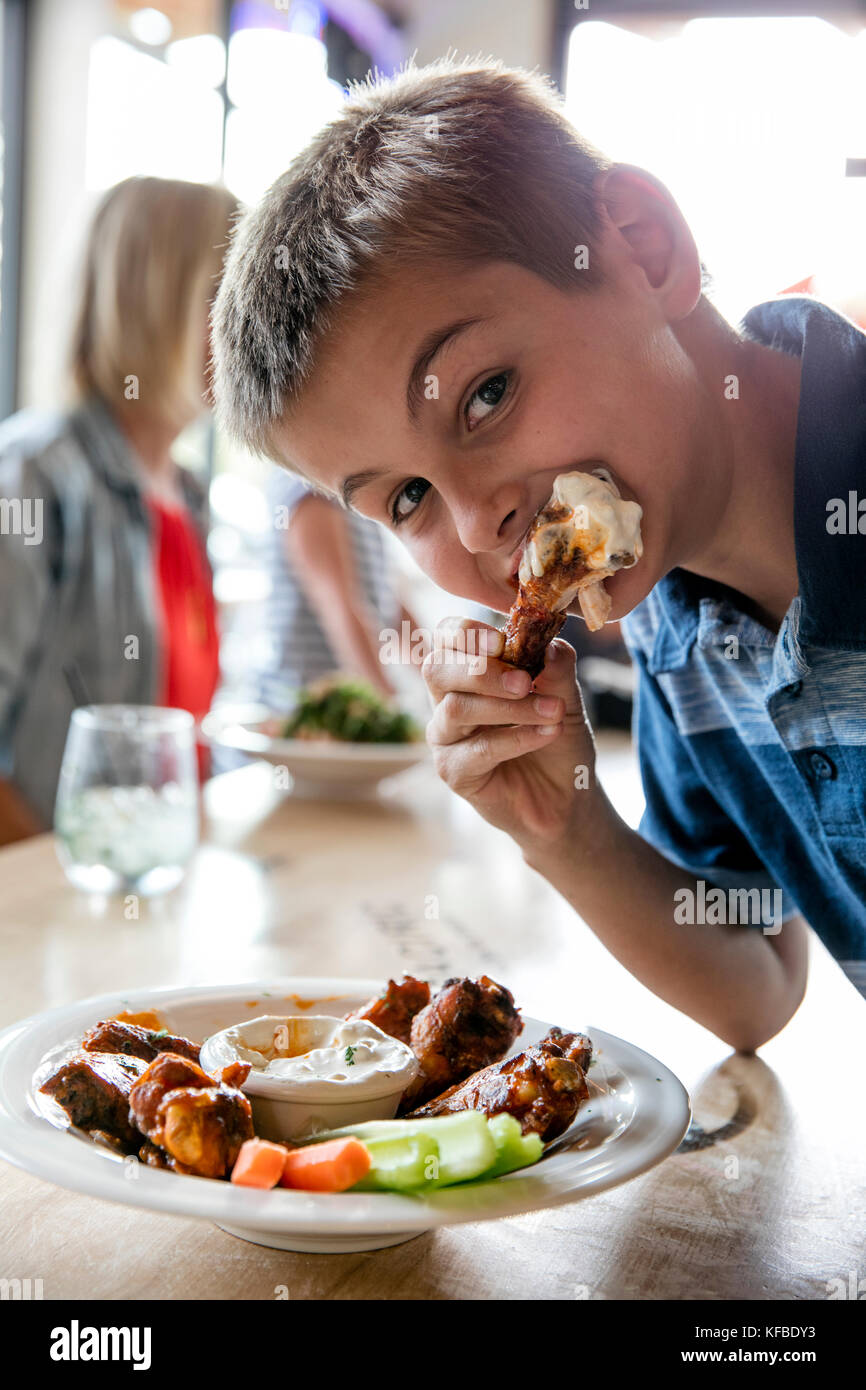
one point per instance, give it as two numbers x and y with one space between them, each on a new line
458 161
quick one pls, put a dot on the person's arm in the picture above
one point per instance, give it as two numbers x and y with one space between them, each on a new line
742 985
524 756
17 820
320 551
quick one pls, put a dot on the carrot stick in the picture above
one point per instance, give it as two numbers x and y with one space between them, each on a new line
329 1167
259 1164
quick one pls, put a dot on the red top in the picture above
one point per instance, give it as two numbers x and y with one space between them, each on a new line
190 642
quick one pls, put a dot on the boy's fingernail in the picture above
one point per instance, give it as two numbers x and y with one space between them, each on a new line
546 704
516 682
548 730
491 641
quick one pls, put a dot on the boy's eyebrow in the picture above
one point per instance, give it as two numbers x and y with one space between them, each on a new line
430 346
355 482
434 342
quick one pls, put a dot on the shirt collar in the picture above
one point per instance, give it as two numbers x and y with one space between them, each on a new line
109 451
831 438
105 444
830 462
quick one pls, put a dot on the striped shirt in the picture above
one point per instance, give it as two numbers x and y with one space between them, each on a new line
752 743
297 649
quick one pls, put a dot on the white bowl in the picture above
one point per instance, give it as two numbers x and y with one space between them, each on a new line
636 1115
326 766
295 1107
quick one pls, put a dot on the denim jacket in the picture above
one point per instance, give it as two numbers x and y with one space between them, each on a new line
77 584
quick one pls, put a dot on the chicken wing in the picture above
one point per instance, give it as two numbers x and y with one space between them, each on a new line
466 1026
394 1009
199 1121
133 1041
579 538
577 1047
202 1129
94 1088
165 1073
540 1087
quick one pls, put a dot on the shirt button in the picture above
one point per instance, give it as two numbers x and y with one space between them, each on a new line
795 689
822 766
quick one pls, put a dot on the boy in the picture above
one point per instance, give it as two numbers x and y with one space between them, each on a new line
449 300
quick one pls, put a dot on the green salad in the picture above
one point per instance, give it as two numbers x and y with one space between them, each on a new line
348 710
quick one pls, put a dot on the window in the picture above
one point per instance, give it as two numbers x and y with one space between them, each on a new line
751 123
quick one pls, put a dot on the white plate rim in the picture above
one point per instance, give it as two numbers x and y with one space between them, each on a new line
29 1142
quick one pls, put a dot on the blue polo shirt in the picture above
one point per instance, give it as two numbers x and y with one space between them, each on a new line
752 743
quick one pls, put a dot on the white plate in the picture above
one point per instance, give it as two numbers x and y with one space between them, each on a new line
636 1115
313 763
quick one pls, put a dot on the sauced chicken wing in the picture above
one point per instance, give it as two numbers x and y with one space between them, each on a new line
466 1026
577 1047
200 1122
128 1038
94 1088
540 1087
155 1157
166 1073
394 1009
202 1130
579 538
529 631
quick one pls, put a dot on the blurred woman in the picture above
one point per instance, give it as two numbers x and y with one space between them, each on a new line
103 570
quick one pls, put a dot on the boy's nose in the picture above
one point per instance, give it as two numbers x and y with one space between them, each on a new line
487 518
482 529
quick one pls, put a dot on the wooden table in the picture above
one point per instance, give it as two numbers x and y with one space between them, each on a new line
765 1199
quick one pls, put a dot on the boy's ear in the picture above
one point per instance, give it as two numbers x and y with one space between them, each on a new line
639 209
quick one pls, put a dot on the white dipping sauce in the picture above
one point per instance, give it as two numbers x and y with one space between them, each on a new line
314 1053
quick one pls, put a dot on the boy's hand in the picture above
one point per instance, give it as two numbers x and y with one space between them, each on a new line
520 752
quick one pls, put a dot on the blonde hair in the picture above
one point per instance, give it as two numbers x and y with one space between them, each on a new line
463 161
152 262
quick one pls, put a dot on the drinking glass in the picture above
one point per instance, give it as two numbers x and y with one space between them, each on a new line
126 816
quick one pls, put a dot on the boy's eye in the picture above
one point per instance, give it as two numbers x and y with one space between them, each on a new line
485 400
407 499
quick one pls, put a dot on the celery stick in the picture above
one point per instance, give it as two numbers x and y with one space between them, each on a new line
370 1129
513 1148
399 1164
466 1146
